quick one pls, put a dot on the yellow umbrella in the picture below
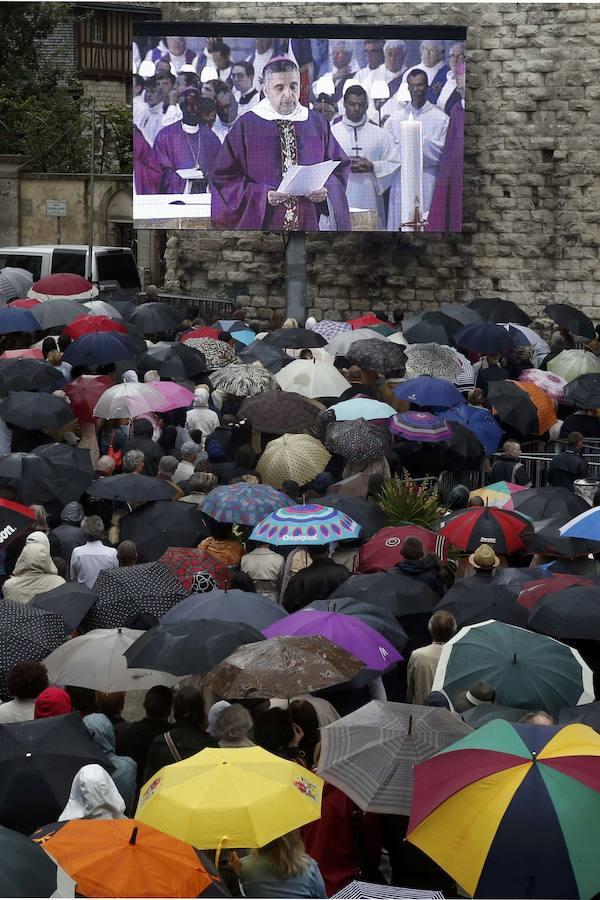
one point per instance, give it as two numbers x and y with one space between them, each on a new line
242 797
292 457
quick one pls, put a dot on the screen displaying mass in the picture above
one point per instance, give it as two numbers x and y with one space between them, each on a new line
299 133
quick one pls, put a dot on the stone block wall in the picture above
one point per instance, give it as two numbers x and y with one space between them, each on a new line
107 92
532 160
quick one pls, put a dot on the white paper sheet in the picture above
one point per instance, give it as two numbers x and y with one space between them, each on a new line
190 174
302 180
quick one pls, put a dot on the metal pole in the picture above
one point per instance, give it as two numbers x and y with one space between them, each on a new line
58 230
91 194
295 276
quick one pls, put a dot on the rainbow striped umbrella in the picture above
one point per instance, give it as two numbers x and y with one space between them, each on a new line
499 494
310 524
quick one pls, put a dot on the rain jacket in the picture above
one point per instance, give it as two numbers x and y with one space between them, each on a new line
200 417
125 769
34 573
94 795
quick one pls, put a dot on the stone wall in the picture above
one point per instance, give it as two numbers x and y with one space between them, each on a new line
532 159
107 92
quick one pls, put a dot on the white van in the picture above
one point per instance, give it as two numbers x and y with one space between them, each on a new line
114 271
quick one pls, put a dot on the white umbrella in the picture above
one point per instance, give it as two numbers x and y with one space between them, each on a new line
341 342
102 308
398 338
569 364
14 282
95 661
318 353
312 379
126 401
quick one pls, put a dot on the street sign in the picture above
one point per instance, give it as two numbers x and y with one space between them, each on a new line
56 208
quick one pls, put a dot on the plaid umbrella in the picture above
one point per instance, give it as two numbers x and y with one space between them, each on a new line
185 562
243 504
282 667
432 359
420 426
280 412
216 353
358 440
522 406
371 753
380 356
243 380
495 309
330 329
26 633
570 364
151 318
341 343
146 588
176 361
292 457
84 393
227 606
296 338
155 526
310 524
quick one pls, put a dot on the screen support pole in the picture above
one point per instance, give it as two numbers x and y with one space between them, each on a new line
295 276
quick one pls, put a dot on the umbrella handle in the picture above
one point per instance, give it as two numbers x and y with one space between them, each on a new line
220 847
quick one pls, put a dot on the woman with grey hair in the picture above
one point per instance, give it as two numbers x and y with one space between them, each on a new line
88 561
233 727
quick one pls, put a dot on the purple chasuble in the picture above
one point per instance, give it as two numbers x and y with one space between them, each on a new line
175 149
250 164
445 212
145 167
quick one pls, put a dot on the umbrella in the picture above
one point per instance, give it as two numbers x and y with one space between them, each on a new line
71 601
128 400
200 333
216 353
99 349
484 338
547 540
189 647
230 325
176 361
420 427
15 520
570 364
552 385
522 406
243 380
270 357
102 308
39 760
430 327
519 338
572 319
586 525
427 391
130 488
124 592
58 313
161 524
185 562
296 338
84 393
463 314
572 613
527 670
282 667
368 515
151 318
280 412
240 797
73 466
383 356
478 716
125 858
365 321
14 282
175 396
500 494
37 375
340 345
586 714
26 871
467 529
535 589
312 379
384 549
495 309
540 503
95 661
308 525
29 353
33 411
470 601
292 457
361 408
86 324
349 633
380 619
583 391
480 421
504 786
243 504
539 347
243 338
26 633
370 754
329 329
228 606
434 360
463 452
400 594
13 319
37 479
63 285
358 440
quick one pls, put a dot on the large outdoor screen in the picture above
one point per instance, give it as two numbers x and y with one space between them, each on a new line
269 128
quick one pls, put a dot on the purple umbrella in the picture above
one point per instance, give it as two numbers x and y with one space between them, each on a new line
347 632
420 426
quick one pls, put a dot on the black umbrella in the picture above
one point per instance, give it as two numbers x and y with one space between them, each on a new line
379 618
541 503
484 338
36 479
398 593
74 466
151 318
35 411
157 526
189 648
34 373
570 614
462 314
470 601
26 633
586 714
514 578
572 319
547 540
368 515
173 360
280 412
432 326
294 338
130 488
464 452
25 869
148 588
584 391
379 356
71 601
271 357
495 309
358 440
227 606
38 761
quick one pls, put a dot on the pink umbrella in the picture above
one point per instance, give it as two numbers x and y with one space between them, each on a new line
31 353
551 384
175 395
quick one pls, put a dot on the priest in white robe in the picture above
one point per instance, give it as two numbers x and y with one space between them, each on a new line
392 71
432 63
371 152
435 126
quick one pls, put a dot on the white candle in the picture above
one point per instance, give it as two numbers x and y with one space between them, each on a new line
411 170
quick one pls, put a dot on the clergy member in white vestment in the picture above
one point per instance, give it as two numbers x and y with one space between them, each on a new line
246 95
432 63
450 94
373 51
392 71
371 152
435 126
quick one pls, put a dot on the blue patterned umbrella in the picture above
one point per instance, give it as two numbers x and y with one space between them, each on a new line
309 524
243 504
329 329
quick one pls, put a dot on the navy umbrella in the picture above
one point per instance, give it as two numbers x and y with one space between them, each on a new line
428 391
484 338
228 606
570 614
71 601
480 421
471 601
583 391
13 319
101 348
272 358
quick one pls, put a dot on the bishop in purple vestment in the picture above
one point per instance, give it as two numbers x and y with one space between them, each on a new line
186 144
445 212
258 150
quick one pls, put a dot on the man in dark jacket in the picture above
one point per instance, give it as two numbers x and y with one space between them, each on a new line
142 440
68 535
566 467
316 582
509 467
135 739
415 566
186 738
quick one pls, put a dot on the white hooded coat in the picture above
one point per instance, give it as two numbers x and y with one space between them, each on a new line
94 795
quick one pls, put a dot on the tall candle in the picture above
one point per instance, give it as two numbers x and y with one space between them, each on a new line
411 170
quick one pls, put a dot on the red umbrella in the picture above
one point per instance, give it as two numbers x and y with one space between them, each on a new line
533 591
63 284
501 529
84 392
200 333
365 321
384 550
85 324
30 353
25 303
185 562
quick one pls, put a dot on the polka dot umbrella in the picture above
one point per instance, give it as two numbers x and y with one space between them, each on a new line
309 524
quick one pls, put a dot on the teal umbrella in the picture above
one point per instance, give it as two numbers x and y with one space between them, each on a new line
527 670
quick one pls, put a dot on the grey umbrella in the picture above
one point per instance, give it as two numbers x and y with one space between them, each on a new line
358 440
59 312
370 754
380 356
14 282
462 314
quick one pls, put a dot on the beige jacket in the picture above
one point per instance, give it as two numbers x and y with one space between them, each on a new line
265 568
34 573
421 672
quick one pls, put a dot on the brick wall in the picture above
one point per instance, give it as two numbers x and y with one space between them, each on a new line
60 47
532 159
107 93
